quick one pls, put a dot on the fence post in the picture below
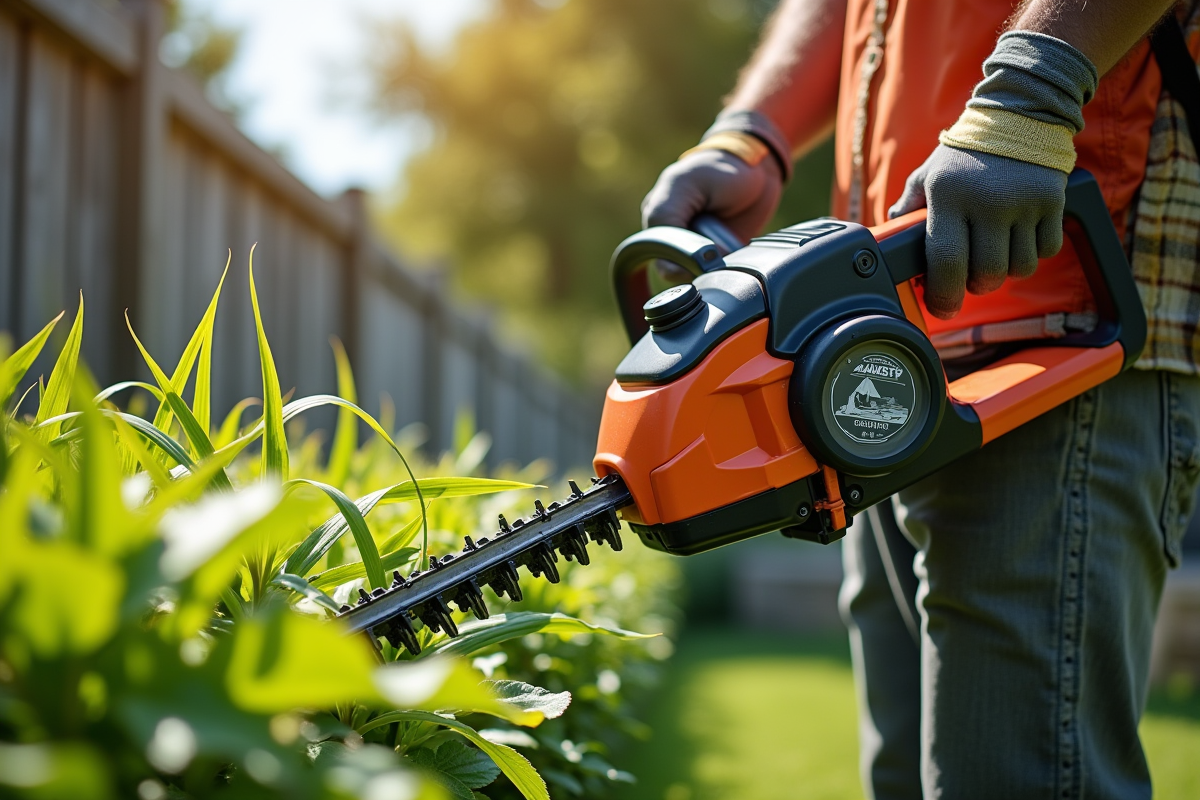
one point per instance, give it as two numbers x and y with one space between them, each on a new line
140 209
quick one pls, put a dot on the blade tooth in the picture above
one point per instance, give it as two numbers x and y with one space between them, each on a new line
504 526
575 493
397 579
436 614
574 545
468 545
470 598
399 633
363 597
540 561
539 510
505 581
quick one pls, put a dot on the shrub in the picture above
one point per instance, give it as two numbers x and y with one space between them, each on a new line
164 594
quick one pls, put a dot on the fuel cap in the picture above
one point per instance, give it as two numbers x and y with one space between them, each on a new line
672 307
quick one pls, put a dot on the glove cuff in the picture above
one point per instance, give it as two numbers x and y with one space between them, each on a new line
743 145
759 126
1012 135
1037 76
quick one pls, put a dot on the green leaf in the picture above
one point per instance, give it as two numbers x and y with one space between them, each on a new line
528 697
401 537
358 527
303 587
66 769
332 578
202 393
479 634
201 340
345 438
195 433
109 391
13 368
233 420
282 660
511 763
275 446
152 434
315 401
468 765
312 549
62 379
424 759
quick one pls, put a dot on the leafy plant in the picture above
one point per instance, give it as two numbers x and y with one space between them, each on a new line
165 595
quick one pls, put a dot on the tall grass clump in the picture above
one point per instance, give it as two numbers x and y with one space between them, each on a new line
167 583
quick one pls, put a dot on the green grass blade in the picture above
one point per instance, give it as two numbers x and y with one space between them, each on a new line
233 421
345 438
305 589
21 401
514 765
306 403
109 391
332 578
13 368
133 441
202 394
480 634
358 527
58 392
200 340
402 537
198 438
275 447
313 548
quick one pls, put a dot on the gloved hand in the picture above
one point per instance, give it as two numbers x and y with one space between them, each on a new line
736 173
996 185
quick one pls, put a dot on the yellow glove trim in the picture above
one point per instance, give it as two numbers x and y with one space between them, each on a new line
743 145
1004 133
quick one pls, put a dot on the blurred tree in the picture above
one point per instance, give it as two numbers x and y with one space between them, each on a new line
197 43
551 120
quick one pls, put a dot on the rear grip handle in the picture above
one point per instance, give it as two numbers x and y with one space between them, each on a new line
697 253
1087 223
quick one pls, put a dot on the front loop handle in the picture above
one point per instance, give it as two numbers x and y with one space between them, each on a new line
697 253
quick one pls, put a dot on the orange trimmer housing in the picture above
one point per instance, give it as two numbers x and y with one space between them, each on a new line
792 384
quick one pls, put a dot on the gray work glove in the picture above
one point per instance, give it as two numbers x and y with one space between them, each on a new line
741 189
990 218
996 185
744 197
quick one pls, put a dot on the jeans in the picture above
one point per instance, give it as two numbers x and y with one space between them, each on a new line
1001 631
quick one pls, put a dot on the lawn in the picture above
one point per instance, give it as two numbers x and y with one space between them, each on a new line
751 716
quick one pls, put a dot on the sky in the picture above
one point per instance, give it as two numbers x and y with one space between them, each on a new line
298 55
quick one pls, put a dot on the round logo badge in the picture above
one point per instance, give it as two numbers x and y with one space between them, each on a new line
872 394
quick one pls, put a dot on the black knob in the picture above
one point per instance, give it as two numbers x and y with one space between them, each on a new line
672 307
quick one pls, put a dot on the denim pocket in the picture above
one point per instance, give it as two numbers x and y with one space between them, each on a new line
1183 460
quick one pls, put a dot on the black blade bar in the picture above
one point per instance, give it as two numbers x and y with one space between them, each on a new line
593 510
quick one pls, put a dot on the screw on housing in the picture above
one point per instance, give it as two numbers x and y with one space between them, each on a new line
865 263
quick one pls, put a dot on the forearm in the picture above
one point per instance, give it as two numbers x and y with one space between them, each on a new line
793 76
1103 30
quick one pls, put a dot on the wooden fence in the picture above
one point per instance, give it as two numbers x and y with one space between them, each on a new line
119 178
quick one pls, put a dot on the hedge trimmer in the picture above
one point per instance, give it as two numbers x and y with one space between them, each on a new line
790 386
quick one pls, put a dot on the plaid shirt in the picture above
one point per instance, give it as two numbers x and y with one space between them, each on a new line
1165 235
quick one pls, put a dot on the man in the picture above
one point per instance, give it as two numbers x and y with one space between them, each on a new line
1020 670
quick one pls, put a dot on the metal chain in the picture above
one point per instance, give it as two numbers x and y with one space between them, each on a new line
872 58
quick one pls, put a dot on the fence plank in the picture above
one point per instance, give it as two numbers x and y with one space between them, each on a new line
11 119
96 218
46 187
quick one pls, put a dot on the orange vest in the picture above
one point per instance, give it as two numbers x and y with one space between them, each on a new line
933 57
